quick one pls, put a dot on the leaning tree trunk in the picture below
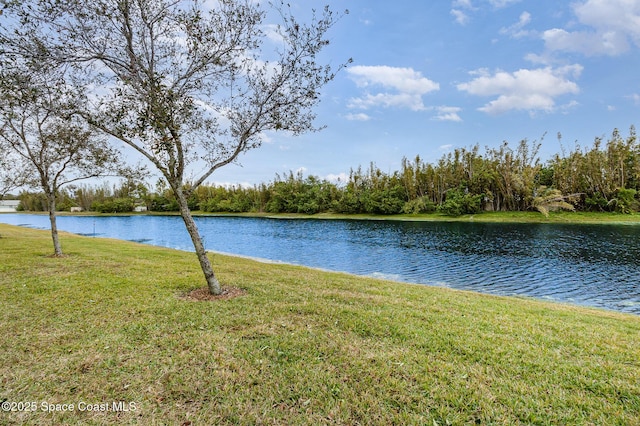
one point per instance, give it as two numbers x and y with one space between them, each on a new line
205 263
51 202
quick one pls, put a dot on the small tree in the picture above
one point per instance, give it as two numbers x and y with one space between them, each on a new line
183 82
36 128
14 173
550 199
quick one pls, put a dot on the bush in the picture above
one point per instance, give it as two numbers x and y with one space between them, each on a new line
348 203
383 201
419 205
159 203
625 201
116 205
459 202
596 203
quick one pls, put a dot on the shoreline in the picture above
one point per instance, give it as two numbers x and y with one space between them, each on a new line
567 218
379 276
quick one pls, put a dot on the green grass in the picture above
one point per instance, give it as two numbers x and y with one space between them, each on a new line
300 347
501 217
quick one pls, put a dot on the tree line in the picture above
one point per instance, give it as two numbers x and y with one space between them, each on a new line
602 177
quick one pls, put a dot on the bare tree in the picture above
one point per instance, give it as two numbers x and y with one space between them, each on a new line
190 85
38 132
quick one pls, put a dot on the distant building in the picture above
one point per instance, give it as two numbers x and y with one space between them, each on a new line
76 209
140 209
9 206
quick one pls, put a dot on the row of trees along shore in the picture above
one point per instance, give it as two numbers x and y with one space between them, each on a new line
602 177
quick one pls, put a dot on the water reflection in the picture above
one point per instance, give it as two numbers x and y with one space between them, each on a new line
583 264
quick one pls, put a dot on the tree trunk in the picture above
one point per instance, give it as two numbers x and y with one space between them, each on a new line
205 263
51 201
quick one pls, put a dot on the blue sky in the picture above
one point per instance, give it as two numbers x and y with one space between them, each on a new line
432 76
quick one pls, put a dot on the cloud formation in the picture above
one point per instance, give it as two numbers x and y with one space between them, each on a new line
448 113
517 30
461 9
400 87
526 89
358 117
611 27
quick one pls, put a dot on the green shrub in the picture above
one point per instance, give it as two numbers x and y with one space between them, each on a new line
419 205
388 200
625 200
160 203
459 202
596 203
115 205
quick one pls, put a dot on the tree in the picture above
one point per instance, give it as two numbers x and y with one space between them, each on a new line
552 200
183 82
13 173
35 127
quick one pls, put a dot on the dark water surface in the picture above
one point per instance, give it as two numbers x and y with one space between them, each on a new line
594 265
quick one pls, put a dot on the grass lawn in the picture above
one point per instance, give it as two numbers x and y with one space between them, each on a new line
106 325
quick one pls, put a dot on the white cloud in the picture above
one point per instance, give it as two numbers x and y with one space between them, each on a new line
273 33
337 178
565 108
358 117
586 42
526 89
403 79
460 9
460 17
611 27
517 30
543 59
402 87
448 113
466 4
411 101
498 4
606 15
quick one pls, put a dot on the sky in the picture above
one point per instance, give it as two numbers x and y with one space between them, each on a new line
431 76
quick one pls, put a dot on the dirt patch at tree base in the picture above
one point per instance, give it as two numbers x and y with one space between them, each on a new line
202 294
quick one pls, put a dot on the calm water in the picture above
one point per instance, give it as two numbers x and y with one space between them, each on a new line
583 264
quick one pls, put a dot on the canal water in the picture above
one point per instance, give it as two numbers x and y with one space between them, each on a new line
593 265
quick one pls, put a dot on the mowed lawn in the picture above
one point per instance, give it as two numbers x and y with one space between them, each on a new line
105 332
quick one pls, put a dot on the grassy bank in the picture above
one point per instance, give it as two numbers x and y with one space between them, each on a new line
495 217
106 324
